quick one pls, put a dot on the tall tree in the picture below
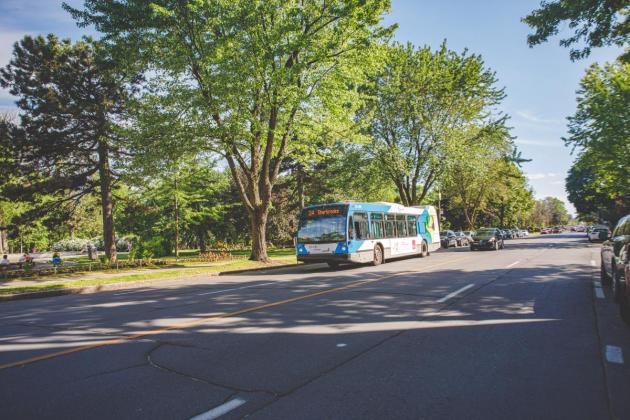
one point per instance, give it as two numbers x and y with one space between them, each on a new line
594 22
69 101
424 101
472 173
258 72
600 131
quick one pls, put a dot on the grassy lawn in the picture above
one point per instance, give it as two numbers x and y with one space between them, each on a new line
192 253
151 274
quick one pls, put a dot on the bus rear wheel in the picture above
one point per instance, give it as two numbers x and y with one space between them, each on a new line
424 249
378 256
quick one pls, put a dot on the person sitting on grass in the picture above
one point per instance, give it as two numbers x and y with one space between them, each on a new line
26 261
56 259
4 263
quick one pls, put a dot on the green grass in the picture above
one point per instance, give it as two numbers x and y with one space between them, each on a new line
191 253
154 274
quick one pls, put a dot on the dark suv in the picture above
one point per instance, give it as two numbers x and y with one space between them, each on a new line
615 268
487 238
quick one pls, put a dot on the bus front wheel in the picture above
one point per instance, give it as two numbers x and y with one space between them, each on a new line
378 255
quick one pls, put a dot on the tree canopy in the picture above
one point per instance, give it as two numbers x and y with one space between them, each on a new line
595 23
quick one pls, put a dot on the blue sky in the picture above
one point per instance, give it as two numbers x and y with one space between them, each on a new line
540 83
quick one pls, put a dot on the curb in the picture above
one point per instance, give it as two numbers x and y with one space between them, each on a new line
247 270
119 286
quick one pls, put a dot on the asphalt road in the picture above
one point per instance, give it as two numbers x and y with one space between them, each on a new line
518 333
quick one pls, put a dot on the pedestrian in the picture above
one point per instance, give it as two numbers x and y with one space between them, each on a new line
4 263
56 259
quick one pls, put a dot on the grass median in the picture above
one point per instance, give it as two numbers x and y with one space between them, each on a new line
151 274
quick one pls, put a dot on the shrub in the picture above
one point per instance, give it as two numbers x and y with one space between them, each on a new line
66 245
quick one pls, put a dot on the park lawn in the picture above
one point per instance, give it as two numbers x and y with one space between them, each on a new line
192 253
153 274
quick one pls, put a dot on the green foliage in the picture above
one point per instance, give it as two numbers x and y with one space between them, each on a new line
425 105
69 97
550 211
260 76
594 22
599 181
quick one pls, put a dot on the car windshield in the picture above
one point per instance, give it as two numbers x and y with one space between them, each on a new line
485 232
322 229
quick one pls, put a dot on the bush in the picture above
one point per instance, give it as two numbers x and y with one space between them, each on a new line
122 244
66 245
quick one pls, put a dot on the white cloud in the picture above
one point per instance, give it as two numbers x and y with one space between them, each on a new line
541 175
543 143
533 118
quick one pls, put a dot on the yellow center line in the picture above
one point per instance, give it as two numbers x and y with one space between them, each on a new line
195 322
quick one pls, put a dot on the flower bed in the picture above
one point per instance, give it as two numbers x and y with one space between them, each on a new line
104 266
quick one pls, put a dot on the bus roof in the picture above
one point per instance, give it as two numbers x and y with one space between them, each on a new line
377 206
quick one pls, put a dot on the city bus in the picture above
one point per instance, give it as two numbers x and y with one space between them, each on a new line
365 232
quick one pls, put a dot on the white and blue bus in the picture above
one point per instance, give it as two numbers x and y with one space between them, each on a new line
365 232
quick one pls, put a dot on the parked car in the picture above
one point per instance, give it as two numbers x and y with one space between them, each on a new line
448 239
556 230
615 265
516 233
545 231
597 234
469 234
462 240
524 233
487 238
507 234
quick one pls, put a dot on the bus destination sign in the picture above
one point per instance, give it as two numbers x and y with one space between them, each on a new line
325 211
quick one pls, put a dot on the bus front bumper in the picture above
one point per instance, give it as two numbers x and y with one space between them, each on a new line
321 258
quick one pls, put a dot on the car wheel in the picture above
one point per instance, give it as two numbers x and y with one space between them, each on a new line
378 256
333 264
604 276
424 249
472 248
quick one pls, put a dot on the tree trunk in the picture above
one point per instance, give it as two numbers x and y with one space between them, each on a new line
176 222
258 230
109 234
300 186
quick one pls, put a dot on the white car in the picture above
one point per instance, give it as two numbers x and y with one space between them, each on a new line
598 234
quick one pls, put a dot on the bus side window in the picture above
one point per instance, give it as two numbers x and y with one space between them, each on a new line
361 226
390 225
350 229
376 223
411 226
401 225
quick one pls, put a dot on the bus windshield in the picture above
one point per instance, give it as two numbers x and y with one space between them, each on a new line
322 226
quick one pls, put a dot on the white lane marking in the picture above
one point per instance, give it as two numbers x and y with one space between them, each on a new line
599 293
220 410
341 345
593 263
597 283
455 293
614 354
236 288
513 264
